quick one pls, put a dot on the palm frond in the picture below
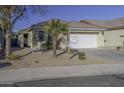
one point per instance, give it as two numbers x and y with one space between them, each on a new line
56 27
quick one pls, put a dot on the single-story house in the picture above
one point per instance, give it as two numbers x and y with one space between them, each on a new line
14 38
1 36
83 34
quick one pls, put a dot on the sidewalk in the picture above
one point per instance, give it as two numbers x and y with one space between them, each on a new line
27 74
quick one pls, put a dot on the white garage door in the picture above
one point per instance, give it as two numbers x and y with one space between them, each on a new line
83 41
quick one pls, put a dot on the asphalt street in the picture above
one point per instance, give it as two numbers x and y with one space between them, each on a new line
92 81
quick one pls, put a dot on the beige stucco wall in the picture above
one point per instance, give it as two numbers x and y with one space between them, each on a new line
30 39
113 38
31 42
21 39
100 39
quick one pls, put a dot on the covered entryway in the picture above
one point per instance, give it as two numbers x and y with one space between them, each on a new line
25 40
83 41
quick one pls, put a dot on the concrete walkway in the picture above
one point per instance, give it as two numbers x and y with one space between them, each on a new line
26 74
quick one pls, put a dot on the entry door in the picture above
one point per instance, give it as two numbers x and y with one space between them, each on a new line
83 41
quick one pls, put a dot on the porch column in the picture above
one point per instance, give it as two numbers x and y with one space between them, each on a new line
21 40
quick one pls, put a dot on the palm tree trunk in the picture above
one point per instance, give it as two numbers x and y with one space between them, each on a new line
54 45
8 38
8 44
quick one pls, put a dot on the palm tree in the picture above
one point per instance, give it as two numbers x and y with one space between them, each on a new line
10 14
55 27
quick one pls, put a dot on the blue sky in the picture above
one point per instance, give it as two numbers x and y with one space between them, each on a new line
74 13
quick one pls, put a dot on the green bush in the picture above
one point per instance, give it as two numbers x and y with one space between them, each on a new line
43 45
118 48
72 51
81 55
47 45
14 57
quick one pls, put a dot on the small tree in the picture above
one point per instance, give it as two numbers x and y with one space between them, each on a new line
55 27
10 14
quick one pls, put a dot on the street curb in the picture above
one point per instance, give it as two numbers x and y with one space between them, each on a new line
30 74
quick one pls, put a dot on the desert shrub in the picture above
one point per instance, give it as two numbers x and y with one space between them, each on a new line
47 45
43 45
82 55
72 51
36 61
118 48
14 57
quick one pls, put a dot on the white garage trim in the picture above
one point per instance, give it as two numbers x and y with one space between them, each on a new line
83 41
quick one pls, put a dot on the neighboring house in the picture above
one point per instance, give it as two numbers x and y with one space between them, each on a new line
83 34
13 39
114 34
1 39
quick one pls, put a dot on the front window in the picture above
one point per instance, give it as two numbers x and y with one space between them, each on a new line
41 35
102 32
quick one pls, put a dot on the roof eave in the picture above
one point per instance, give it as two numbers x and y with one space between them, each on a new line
87 29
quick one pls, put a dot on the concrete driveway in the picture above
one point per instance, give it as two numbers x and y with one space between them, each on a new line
110 55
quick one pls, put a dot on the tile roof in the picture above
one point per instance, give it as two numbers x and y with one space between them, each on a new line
99 24
82 25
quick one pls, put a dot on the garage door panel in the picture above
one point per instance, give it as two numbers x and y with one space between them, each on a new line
83 41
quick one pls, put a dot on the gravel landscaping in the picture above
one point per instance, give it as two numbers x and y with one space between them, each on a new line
45 59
